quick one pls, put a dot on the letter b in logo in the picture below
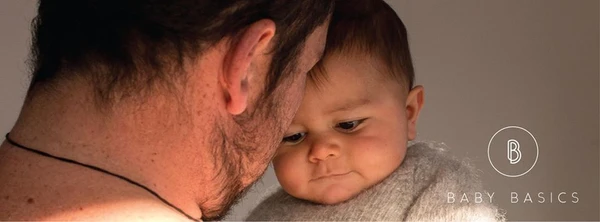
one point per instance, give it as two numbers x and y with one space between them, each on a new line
514 153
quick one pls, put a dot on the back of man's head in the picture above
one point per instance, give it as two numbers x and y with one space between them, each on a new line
128 47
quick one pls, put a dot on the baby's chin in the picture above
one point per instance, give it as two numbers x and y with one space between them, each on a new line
336 197
332 195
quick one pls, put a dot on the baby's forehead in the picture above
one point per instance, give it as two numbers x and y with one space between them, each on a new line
370 70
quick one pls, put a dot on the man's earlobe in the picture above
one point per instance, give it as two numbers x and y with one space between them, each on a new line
414 104
240 54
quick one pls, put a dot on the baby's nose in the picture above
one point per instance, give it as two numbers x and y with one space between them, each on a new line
323 149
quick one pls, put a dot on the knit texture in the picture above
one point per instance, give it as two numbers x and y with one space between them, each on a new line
416 191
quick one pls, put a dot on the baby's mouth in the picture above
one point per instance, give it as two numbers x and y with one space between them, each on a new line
332 176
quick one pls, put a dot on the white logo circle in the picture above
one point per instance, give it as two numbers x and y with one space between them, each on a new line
536 148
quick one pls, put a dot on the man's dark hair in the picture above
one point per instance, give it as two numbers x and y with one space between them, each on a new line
369 28
128 46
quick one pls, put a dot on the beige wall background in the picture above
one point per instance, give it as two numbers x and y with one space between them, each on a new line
485 65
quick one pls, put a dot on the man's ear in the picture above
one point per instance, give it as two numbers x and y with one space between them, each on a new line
414 103
252 43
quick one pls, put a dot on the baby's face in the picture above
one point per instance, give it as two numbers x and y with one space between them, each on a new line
349 134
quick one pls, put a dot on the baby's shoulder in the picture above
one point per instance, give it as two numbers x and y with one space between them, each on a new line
431 161
437 176
275 205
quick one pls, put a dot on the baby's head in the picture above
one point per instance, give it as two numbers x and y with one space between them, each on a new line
358 112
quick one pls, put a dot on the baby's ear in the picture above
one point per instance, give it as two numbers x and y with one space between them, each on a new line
414 103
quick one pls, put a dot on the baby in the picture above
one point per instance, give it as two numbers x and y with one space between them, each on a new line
345 156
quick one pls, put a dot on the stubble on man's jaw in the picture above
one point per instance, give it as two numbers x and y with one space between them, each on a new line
232 156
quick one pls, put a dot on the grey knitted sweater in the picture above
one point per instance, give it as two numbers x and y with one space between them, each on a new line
416 191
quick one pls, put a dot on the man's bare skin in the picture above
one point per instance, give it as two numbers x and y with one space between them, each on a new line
197 145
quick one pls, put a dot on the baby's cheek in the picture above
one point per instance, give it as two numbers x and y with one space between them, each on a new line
290 172
375 157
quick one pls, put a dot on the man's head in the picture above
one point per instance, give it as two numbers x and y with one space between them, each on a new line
359 110
218 82
129 47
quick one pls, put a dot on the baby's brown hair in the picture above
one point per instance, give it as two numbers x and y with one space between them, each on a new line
371 28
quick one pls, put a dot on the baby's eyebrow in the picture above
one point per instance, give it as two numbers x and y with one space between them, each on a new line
349 105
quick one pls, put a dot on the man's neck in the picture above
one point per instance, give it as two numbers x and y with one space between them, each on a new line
131 142
35 187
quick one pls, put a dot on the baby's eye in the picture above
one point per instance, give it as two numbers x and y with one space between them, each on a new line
294 138
349 125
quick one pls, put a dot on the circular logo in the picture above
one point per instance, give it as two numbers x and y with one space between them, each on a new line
513 151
